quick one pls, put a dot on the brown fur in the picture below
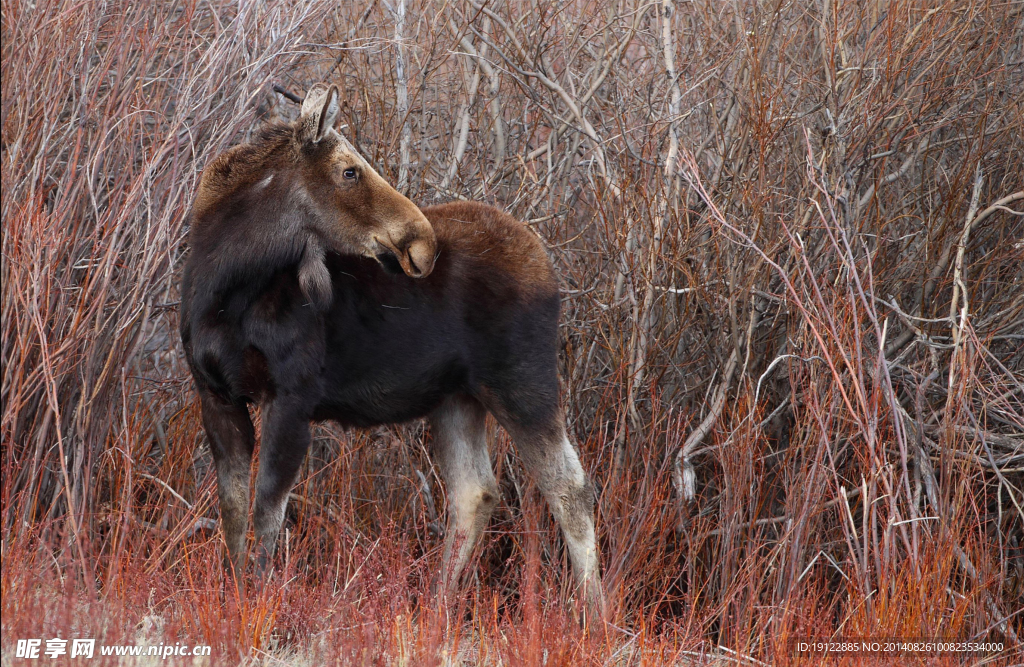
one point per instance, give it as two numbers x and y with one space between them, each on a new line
472 229
239 167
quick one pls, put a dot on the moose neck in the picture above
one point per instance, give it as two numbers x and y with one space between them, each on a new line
238 252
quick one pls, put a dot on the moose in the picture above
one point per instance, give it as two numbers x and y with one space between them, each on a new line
316 291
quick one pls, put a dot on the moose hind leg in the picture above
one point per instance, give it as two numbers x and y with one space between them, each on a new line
554 464
230 432
286 438
460 450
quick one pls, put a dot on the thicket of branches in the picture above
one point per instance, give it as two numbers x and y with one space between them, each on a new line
791 249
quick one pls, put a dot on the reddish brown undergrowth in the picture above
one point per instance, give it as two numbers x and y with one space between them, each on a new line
791 246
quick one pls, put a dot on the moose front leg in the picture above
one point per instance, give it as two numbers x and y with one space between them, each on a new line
285 440
230 432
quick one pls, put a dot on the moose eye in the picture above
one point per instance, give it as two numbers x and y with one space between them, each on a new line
349 173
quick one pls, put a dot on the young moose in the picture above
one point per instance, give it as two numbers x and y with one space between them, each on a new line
317 291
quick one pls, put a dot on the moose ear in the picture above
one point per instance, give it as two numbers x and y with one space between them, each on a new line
319 113
314 278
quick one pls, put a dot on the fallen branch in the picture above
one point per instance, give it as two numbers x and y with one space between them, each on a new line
683 476
287 94
157 480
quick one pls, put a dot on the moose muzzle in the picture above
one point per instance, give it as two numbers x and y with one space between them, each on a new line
415 250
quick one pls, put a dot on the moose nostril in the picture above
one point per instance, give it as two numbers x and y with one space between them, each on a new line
420 254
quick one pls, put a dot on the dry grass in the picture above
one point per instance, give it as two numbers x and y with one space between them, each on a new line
792 254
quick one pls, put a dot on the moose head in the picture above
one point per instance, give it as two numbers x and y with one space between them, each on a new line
357 209
299 190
